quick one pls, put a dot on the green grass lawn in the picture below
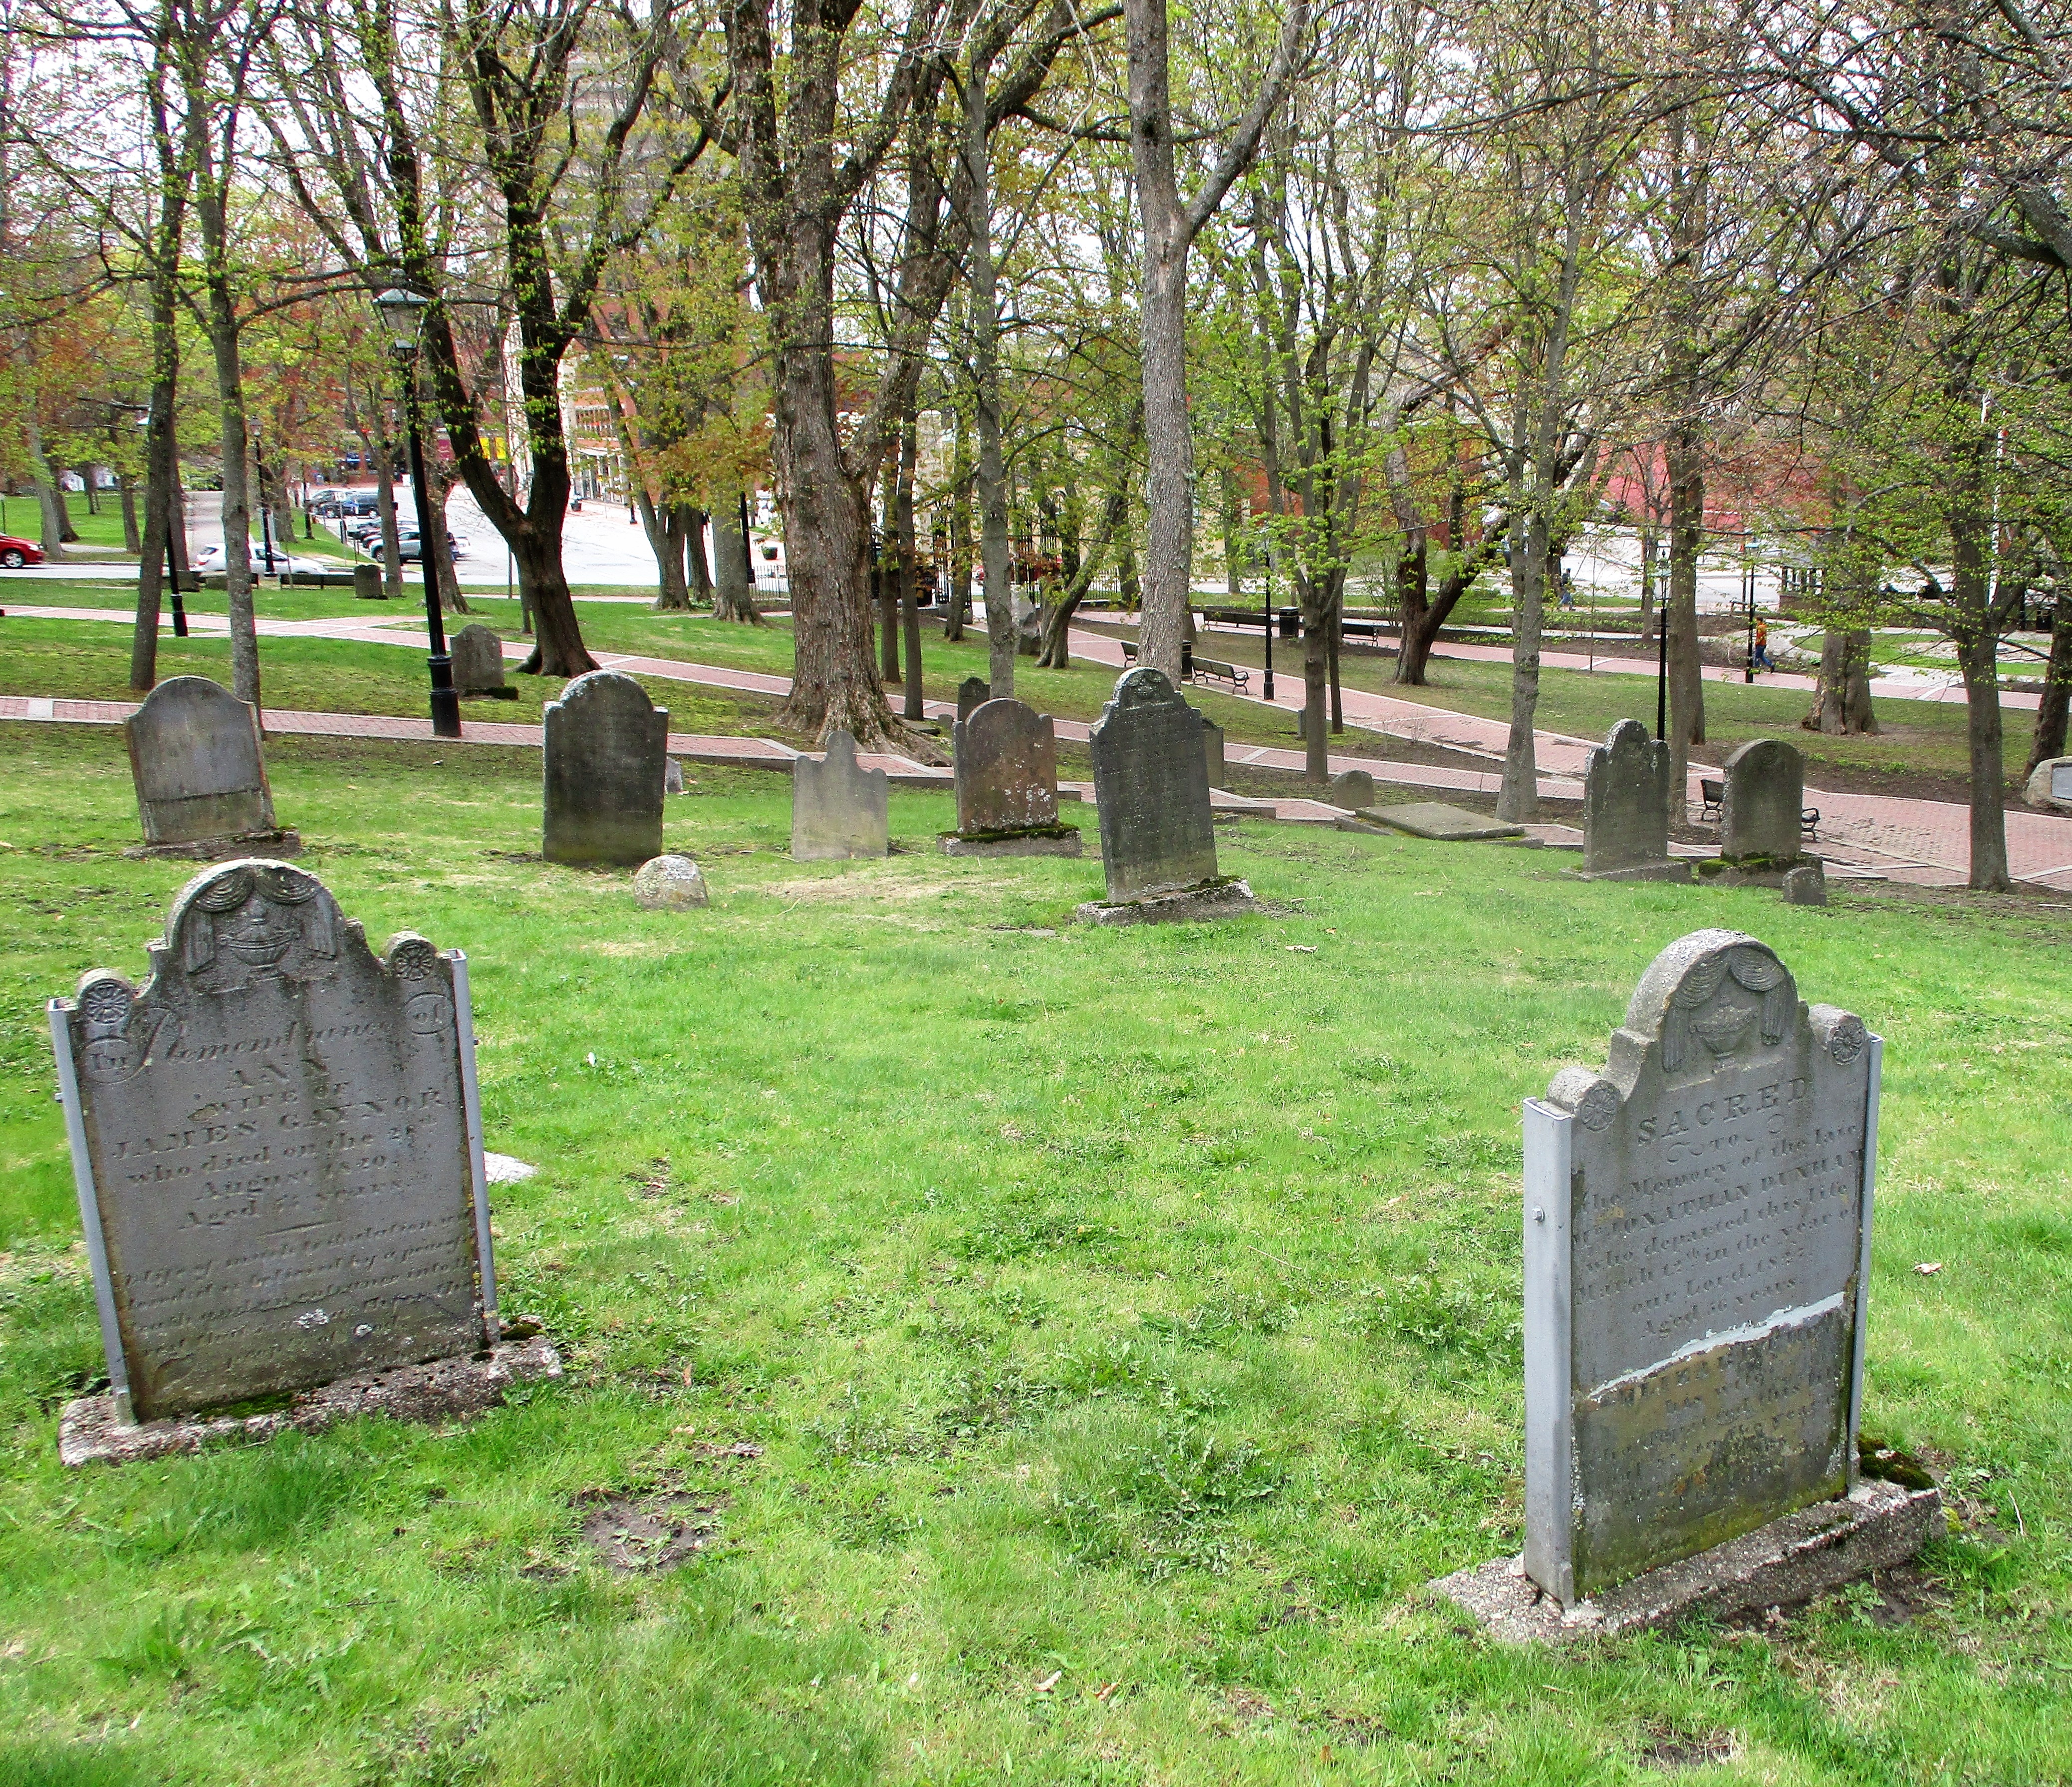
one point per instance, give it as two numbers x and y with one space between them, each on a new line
1084 1343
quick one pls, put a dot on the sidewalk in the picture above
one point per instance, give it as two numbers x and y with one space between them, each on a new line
1927 842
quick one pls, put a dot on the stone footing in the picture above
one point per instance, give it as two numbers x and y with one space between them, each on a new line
1041 840
444 1389
1788 1562
1676 869
1229 898
223 850
1767 871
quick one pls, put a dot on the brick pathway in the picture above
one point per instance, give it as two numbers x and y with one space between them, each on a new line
1925 841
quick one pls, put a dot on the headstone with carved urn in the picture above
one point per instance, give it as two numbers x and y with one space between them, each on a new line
277 1151
1006 755
1697 1242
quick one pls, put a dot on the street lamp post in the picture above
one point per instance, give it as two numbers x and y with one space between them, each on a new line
403 311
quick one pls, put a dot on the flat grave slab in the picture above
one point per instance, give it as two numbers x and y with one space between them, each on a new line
1441 822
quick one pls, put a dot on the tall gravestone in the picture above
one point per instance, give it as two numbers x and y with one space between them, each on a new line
1157 830
1212 753
1765 796
839 809
1626 808
971 692
1697 1243
277 1149
199 766
606 751
477 663
1007 785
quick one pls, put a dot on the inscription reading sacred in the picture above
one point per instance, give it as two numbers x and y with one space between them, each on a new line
1733 1204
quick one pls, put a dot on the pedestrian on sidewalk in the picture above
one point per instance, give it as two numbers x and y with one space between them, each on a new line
1763 660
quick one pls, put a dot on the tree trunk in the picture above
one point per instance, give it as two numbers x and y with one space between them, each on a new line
224 347
162 492
1841 696
662 524
54 527
1978 656
1683 452
1518 801
132 539
884 583
385 508
733 574
960 538
2048 740
1233 536
910 606
434 542
1168 555
691 524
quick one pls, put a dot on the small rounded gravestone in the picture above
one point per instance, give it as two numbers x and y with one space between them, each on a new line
670 882
1806 885
1353 788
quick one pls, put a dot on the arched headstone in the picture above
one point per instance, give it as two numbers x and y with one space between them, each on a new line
1151 780
1626 807
198 764
839 809
605 750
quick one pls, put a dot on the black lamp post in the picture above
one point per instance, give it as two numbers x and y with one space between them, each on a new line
403 311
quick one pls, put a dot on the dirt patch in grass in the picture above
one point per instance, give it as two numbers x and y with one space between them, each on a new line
646 1534
1669 1749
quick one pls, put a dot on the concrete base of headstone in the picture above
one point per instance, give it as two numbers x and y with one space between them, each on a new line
1677 868
1788 1562
1441 823
1747 871
505 694
1036 840
444 1389
1224 898
223 849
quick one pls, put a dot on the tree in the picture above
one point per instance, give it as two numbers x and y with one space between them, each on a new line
1170 225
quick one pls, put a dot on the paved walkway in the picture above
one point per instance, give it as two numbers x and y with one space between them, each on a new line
1925 841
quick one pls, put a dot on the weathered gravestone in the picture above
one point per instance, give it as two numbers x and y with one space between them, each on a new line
607 746
2049 785
200 772
1625 809
1212 752
277 1149
1007 785
1697 1236
1157 830
839 809
477 663
670 883
971 692
1760 812
1351 788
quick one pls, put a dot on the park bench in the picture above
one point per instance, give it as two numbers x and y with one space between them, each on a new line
1187 660
1711 794
1235 675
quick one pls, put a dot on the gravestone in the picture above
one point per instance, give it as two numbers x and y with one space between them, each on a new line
673 775
477 663
277 1150
1157 830
1626 808
1212 750
606 745
2049 785
839 809
1697 1232
1806 885
1765 793
1006 758
367 583
199 769
971 692
1352 788
670 883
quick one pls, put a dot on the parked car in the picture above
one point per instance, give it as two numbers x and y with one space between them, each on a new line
15 554
409 549
210 561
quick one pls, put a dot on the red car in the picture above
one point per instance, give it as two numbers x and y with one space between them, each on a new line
15 554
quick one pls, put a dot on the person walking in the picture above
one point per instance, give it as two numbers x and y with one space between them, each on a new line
1763 661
